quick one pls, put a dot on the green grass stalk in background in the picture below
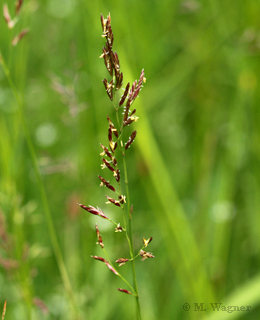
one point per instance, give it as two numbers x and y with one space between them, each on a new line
45 204
39 181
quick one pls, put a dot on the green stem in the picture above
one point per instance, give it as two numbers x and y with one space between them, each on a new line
131 288
46 209
130 234
120 147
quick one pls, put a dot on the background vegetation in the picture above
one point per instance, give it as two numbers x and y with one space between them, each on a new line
194 168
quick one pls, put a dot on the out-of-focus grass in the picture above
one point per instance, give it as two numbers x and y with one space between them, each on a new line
194 169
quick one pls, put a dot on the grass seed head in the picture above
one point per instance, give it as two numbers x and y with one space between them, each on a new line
130 140
100 241
95 211
124 290
145 255
18 6
121 261
111 200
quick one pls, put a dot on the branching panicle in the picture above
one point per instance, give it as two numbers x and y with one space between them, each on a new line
109 158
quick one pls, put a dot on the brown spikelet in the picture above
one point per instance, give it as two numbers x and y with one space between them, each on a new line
112 128
121 261
117 175
111 268
107 60
145 255
131 93
130 140
106 151
107 264
109 120
106 183
18 6
133 112
110 137
119 228
100 241
10 23
139 85
19 36
109 88
103 23
92 210
114 161
99 258
122 100
130 120
116 63
106 164
112 146
107 31
109 35
126 111
119 80
124 290
146 242
115 202
122 199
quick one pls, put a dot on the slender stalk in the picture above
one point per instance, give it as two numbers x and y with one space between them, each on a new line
120 142
118 272
130 233
43 195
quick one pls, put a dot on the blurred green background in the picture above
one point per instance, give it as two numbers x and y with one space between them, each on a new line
193 170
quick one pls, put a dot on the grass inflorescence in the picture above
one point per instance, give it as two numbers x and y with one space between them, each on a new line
118 145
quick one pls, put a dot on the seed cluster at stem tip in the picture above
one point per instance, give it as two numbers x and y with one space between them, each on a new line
109 158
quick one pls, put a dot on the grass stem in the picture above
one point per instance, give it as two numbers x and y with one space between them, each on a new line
130 235
43 195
